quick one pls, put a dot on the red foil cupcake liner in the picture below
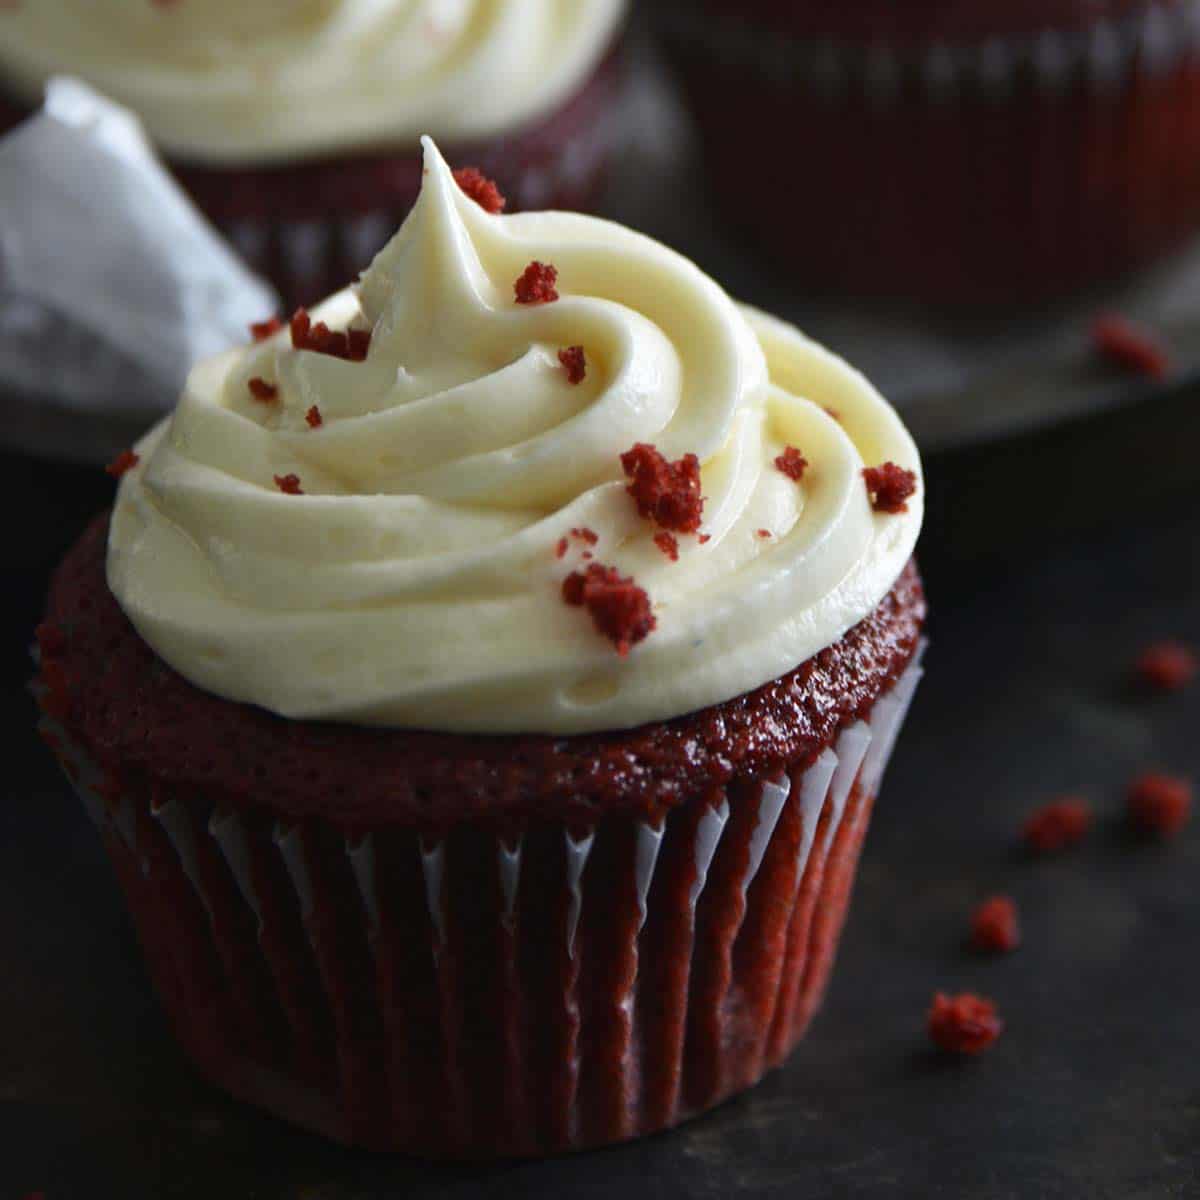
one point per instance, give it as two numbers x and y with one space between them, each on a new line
994 170
311 227
477 997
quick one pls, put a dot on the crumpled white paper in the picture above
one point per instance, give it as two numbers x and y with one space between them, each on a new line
112 284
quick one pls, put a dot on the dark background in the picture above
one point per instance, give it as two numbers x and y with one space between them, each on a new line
1050 561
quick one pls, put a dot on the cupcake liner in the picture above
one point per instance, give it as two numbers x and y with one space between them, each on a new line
481 995
1007 168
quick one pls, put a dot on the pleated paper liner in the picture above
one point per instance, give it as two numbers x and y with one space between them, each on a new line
1015 168
474 997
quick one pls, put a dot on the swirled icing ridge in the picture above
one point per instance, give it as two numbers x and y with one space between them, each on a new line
417 581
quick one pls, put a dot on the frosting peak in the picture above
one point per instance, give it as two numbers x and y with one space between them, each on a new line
462 471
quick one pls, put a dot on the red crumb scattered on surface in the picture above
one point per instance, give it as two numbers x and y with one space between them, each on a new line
314 418
125 461
584 534
261 330
1130 346
704 538
536 284
619 609
261 390
1166 666
994 926
1160 803
792 463
889 486
481 189
668 545
289 484
668 493
320 339
963 1024
575 362
764 533
1058 825
560 550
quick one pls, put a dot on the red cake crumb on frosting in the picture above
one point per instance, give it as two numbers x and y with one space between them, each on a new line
763 533
889 487
792 463
1058 825
261 390
536 284
1160 803
668 493
964 1024
584 534
314 418
560 550
124 461
320 339
1167 666
668 545
994 926
575 362
1127 345
620 609
480 188
261 330
289 484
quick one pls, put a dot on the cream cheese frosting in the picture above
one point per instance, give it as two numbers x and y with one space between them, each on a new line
279 79
417 580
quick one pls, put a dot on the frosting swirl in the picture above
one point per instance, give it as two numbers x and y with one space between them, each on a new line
277 79
416 582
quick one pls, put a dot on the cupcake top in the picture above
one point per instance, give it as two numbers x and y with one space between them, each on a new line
280 79
534 473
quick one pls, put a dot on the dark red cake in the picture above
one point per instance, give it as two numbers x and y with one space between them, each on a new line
984 153
465 946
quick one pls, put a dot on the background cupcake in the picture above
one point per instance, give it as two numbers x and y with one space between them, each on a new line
483 686
974 153
291 121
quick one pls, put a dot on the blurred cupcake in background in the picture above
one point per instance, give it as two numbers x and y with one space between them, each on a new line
952 153
292 122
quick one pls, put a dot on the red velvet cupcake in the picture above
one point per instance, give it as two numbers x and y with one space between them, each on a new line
949 152
483 684
291 125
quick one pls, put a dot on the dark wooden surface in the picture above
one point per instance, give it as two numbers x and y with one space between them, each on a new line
1050 561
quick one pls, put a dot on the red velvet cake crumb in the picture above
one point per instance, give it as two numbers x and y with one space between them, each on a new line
704 538
792 463
994 927
480 188
584 534
1127 345
1057 826
889 487
124 461
1167 666
536 284
668 545
314 418
320 339
575 362
763 533
560 550
1160 803
666 492
261 330
619 609
261 390
964 1024
289 484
